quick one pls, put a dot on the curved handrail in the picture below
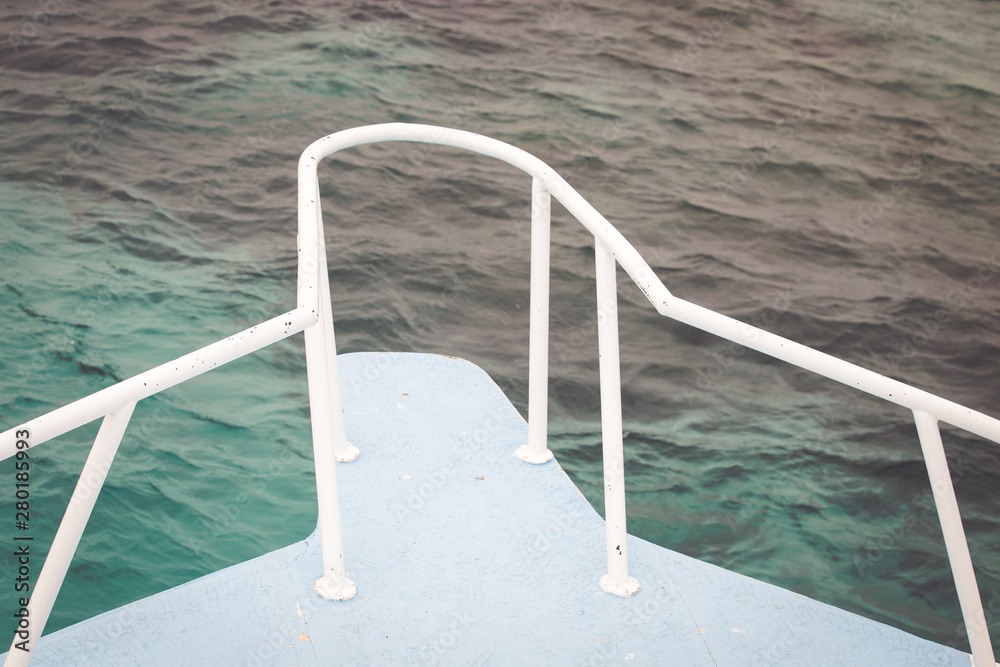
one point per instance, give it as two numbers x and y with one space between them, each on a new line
598 225
115 403
611 247
632 262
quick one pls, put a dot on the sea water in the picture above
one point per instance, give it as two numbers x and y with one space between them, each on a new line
824 170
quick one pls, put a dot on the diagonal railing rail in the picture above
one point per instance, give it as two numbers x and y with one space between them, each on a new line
313 315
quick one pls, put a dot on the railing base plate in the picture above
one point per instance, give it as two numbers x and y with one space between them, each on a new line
349 453
626 590
335 588
526 455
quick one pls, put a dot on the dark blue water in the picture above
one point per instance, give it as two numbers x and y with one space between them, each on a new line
827 171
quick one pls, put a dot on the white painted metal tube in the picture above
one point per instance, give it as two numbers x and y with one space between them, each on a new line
616 581
343 450
308 292
138 387
71 528
954 538
326 414
313 299
598 225
537 450
828 366
334 584
622 251
640 272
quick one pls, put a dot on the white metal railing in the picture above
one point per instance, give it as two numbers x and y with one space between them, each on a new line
313 315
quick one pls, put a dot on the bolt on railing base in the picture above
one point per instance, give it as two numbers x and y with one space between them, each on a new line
626 590
332 587
526 454
347 454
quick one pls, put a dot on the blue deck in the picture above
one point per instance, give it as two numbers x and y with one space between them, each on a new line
464 554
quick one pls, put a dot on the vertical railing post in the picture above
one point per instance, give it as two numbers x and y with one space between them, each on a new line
616 581
327 429
537 451
67 539
343 450
954 538
334 584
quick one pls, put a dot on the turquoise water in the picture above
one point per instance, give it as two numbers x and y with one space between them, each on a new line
825 170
